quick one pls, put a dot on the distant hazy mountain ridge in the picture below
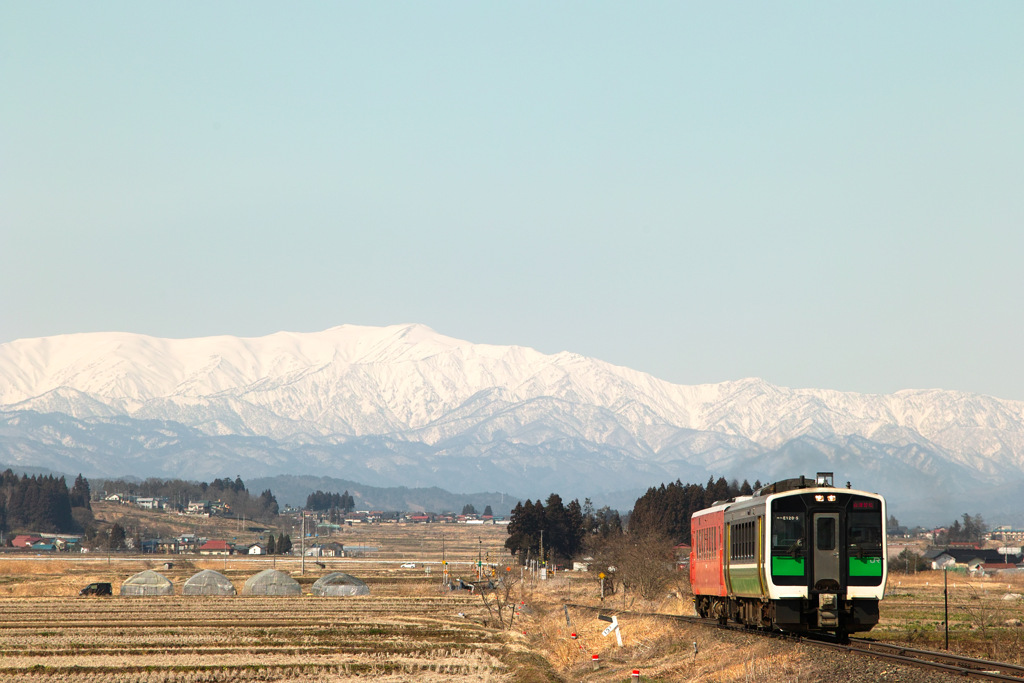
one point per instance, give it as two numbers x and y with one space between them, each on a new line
409 406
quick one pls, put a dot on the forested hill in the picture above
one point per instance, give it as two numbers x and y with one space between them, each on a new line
294 490
40 503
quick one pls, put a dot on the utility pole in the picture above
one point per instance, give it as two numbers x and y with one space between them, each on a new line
945 597
543 561
302 544
444 563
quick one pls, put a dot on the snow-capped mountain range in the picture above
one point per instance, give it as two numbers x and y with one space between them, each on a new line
404 405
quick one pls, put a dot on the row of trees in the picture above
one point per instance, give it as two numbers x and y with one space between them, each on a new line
546 530
41 503
971 531
667 509
321 501
279 546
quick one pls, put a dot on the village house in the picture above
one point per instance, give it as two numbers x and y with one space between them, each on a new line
24 541
216 547
198 507
189 543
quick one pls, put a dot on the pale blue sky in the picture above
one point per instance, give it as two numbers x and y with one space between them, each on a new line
820 194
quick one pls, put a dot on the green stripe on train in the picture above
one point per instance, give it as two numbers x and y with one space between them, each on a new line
867 566
787 566
744 580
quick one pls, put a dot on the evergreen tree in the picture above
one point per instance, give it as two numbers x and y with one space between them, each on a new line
563 529
488 512
80 494
117 537
468 509
284 544
271 545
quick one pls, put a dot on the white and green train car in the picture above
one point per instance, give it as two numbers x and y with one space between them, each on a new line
799 555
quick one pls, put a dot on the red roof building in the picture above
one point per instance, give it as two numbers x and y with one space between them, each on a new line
215 547
25 541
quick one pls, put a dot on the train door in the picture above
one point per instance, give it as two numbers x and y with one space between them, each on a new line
826 551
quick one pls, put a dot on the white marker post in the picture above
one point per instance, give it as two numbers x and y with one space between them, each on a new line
613 627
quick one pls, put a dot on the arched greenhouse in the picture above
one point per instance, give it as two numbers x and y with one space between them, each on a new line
271 582
147 582
338 584
208 582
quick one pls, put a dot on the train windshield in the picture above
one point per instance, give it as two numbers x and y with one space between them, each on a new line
865 533
787 534
788 554
865 545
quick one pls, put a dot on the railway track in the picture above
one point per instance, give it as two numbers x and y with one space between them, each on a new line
967 667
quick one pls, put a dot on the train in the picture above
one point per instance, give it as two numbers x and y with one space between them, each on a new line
799 555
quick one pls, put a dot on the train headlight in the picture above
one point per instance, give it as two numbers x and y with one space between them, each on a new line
831 497
819 497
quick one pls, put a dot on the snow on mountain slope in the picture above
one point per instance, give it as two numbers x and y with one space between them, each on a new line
411 385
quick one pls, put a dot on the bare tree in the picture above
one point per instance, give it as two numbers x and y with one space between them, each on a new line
644 562
501 594
981 611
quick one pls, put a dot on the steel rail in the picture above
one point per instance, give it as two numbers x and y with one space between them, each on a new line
957 660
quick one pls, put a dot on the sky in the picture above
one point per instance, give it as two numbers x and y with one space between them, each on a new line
822 195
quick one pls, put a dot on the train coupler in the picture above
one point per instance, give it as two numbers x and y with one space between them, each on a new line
828 610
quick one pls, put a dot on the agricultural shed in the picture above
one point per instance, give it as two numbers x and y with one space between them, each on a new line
338 584
271 582
208 582
147 582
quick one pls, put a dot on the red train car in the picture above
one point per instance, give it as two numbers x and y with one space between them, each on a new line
706 537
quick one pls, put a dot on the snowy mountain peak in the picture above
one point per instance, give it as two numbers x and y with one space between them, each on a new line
408 394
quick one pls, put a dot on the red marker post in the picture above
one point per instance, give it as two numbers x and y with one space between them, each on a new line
595 662
635 675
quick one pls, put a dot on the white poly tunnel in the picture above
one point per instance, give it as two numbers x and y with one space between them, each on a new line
271 582
338 584
147 582
208 582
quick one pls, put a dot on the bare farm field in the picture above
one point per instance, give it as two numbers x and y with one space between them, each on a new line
182 638
408 629
411 629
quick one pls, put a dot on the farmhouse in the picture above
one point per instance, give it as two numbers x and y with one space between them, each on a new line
25 541
216 547
326 550
198 507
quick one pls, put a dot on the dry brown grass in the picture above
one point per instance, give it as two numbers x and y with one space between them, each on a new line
661 649
983 611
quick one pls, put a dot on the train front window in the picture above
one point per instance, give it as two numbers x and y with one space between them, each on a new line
865 534
865 544
787 534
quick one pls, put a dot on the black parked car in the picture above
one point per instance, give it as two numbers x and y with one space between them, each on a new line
96 589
